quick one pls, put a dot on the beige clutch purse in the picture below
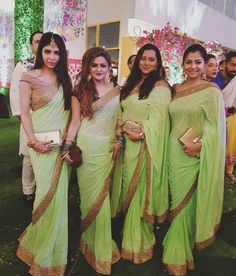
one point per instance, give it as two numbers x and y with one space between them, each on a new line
54 136
131 127
189 136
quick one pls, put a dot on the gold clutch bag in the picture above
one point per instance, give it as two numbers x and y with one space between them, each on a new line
131 127
189 136
54 136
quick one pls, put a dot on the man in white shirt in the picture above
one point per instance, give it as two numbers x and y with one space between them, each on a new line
28 180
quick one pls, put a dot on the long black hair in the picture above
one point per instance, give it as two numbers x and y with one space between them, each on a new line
61 69
136 75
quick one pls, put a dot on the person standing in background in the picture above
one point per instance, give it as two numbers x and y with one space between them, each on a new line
28 180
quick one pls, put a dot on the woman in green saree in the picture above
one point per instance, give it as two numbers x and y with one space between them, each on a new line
47 91
196 168
96 102
142 181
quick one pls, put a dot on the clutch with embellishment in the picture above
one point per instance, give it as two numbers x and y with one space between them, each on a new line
189 136
130 126
54 136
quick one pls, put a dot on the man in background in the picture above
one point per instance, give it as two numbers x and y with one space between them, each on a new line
28 180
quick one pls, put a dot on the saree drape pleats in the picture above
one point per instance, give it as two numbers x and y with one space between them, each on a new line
95 138
196 184
141 174
43 245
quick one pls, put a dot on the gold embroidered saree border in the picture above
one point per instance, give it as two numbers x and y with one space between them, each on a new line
41 208
195 89
184 202
149 218
94 210
36 269
137 258
162 218
100 103
179 270
100 266
202 245
134 181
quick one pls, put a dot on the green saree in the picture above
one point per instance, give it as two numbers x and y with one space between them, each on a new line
196 184
95 138
43 245
144 188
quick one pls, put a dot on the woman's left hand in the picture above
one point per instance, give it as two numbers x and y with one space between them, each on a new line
192 149
134 136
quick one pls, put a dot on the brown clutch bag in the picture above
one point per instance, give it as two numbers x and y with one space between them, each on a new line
131 126
189 136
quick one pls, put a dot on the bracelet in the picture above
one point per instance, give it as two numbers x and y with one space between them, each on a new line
70 139
66 147
31 143
142 135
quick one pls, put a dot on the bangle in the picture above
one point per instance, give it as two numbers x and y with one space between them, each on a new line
31 143
142 135
70 139
66 147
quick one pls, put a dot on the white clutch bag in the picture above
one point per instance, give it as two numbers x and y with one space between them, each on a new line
54 136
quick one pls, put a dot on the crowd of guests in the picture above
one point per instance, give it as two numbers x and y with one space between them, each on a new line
150 152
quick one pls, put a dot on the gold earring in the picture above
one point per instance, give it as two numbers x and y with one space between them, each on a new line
89 78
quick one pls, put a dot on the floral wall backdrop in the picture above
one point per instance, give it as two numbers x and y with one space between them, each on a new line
172 45
6 44
68 18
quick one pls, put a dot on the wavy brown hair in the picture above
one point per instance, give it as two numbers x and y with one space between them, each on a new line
86 90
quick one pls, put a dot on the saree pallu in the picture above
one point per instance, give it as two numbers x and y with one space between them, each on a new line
231 139
142 185
196 184
43 245
95 138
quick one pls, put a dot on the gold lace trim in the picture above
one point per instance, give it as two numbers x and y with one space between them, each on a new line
41 208
100 266
95 209
179 270
202 245
133 183
137 258
162 83
184 202
36 269
196 88
163 217
149 218
100 103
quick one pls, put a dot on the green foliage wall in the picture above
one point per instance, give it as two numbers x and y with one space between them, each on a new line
28 17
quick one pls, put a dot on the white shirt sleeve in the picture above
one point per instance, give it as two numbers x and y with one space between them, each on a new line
15 89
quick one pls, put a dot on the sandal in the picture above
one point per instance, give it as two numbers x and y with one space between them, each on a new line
231 177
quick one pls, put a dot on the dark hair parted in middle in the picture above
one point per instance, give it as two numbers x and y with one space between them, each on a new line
195 48
61 69
86 90
136 75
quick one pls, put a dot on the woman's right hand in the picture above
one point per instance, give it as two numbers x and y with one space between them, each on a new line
42 147
68 160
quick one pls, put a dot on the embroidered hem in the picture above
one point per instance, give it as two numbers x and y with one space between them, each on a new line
184 202
137 258
196 88
134 180
96 207
100 266
179 270
41 208
36 269
202 245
